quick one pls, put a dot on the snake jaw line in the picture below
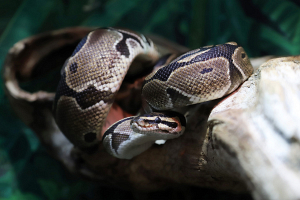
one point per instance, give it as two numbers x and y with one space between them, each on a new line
138 128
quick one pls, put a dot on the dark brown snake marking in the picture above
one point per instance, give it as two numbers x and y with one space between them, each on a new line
93 74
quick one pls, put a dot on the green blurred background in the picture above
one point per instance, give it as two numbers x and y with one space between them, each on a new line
262 27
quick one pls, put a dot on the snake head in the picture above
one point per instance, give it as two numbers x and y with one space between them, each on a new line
165 125
131 136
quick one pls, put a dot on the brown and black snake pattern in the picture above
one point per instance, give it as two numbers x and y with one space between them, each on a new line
93 74
90 79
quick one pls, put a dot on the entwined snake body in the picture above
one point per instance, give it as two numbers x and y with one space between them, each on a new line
92 76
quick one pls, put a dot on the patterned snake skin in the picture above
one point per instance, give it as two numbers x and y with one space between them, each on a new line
92 76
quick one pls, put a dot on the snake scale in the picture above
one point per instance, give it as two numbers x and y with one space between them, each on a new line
93 74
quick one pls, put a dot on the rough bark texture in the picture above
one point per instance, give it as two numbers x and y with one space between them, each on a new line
248 141
259 125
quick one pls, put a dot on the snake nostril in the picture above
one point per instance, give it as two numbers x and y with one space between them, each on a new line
90 137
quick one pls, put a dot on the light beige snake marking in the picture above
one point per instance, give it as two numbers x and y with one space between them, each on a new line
93 74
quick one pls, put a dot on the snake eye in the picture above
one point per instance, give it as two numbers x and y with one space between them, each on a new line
157 120
243 55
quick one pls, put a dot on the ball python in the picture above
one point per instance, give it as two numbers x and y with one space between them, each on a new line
92 76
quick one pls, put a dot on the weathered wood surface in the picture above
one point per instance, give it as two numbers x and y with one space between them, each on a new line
248 141
259 128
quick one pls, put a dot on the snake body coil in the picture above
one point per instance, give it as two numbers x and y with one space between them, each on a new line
93 74
90 79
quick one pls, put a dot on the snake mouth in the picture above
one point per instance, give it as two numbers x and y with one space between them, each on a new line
156 124
141 127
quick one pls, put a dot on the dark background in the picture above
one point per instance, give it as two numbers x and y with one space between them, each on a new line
262 27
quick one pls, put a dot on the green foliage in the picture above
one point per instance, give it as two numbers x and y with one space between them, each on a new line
263 27
18 195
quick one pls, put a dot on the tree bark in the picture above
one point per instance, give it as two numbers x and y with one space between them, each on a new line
259 127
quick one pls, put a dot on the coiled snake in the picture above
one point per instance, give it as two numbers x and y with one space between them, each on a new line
92 76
